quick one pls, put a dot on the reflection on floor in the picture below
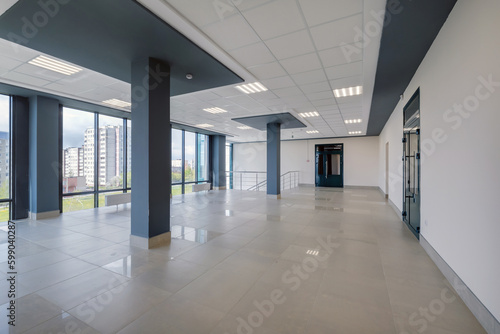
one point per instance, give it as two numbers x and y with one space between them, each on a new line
316 261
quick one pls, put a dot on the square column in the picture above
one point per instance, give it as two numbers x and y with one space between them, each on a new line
151 153
44 160
218 162
274 160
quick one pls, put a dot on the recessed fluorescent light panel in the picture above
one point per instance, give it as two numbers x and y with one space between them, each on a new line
252 88
54 65
312 131
351 91
244 127
355 132
353 121
215 110
309 114
204 125
118 103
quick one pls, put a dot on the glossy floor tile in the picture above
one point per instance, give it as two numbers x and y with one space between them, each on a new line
317 261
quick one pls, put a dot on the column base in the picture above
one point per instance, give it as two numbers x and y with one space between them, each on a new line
274 196
149 243
44 215
219 188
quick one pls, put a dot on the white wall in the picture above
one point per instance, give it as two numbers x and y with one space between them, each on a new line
298 155
461 151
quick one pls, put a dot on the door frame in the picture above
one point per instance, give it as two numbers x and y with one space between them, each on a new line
325 152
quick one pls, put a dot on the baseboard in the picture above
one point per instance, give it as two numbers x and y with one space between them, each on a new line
361 187
149 243
44 215
483 315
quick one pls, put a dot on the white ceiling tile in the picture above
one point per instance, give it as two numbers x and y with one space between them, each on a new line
231 33
326 102
202 12
207 96
291 45
350 100
99 94
40 72
302 63
275 18
320 95
280 82
25 79
322 11
267 71
309 77
344 71
334 34
347 82
251 55
244 5
290 91
315 87
340 55
8 63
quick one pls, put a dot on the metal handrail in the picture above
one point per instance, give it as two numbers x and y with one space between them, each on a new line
257 181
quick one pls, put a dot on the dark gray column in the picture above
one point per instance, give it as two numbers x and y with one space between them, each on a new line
20 157
151 153
273 159
218 154
44 159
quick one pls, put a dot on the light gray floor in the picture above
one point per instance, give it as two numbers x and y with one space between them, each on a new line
316 261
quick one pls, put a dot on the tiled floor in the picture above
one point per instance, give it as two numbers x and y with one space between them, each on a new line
316 261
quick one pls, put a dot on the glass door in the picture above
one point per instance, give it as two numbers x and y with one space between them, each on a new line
329 166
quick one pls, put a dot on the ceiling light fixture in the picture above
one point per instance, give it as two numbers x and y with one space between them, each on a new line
54 65
252 88
355 132
215 110
350 91
353 121
309 114
118 103
204 125
312 131
244 127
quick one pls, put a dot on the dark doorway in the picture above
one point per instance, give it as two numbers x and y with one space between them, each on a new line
330 165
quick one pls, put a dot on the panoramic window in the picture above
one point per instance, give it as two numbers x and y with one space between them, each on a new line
111 154
92 165
189 157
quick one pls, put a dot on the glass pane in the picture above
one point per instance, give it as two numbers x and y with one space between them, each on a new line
4 212
78 150
102 197
177 190
76 203
176 156
202 157
129 154
189 156
110 152
333 164
4 151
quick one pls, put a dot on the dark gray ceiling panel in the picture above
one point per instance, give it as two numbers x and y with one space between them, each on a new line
107 35
405 42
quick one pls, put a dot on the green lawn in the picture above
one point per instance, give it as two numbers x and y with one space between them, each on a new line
4 214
